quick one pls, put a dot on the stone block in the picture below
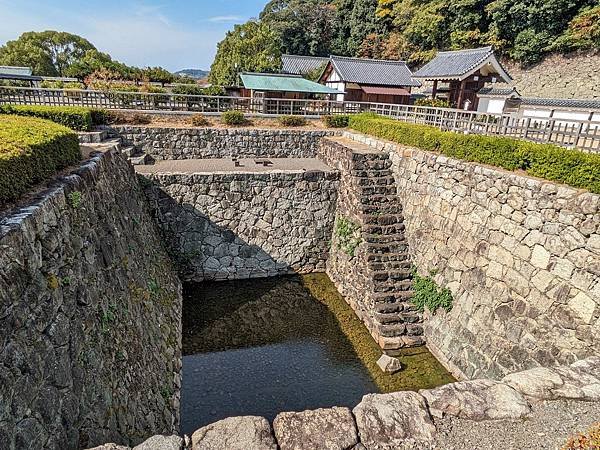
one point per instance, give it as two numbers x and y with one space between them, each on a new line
389 364
161 443
393 420
327 429
235 433
540 257
583 306
477 400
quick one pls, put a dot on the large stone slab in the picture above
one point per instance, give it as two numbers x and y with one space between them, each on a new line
161 443
579 381
393 420
235 433
477 400
326 429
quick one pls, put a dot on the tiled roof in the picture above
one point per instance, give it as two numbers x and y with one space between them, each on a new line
284 83
373 71
301 65
562 103
15 70
497 92
455 64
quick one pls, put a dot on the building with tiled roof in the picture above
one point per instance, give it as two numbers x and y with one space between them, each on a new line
369 80
302 65
459 75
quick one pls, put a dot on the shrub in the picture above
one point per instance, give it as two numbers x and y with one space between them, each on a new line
198 120
336 121
31 151
572 167
234 118
428 294
348 234
588 441
79 119
292 121
188 89
434 102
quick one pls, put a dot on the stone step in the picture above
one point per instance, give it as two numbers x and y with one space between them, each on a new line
92 137
389 308
396 286
390 265
388 257
388 247
140 160
392 298
380 210
389 318
387 191
362 173
384 230
392 275
378 199
376 164
382 219
392 330
130 152
397 238
375 181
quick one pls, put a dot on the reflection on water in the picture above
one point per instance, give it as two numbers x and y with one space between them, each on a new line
282 344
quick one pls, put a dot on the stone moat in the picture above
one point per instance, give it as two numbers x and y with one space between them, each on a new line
262 347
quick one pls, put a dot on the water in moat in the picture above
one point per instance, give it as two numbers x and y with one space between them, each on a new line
264 346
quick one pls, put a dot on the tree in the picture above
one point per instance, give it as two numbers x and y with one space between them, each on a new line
252 47
48 53
157 74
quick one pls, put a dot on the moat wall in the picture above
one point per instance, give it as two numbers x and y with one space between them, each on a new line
163 143
521 256
245 225
90 316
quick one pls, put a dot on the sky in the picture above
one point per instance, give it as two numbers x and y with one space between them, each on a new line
168 33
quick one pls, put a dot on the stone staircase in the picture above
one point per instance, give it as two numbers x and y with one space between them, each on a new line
104 137
370 197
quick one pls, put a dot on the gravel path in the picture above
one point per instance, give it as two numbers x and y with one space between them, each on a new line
548 427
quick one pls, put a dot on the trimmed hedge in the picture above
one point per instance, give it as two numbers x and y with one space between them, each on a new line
336 121
32 150
234 118
548 161
76 118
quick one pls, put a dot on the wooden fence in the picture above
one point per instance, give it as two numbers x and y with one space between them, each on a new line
580 134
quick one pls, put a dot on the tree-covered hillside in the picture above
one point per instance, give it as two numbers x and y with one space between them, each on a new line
411 30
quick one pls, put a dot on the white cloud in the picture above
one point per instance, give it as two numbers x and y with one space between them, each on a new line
226 19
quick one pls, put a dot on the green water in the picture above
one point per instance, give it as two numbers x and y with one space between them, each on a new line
264 346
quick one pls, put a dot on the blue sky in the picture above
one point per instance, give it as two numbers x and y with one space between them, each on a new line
172 34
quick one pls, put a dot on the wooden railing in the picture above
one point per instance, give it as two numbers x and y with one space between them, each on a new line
581 134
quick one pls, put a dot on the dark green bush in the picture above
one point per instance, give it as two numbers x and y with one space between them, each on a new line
336 121
292 121
572 167
76 118
234 118
32 150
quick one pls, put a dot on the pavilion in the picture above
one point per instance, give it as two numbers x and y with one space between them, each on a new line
458 75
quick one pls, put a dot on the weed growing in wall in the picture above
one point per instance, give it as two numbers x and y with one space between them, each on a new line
348 234
75 199
429 294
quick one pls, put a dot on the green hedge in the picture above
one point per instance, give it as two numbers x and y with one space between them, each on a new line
76 118
32 150
572 167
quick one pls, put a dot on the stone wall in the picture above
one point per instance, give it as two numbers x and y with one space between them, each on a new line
90 316
197 143
245 225
521 256
559 76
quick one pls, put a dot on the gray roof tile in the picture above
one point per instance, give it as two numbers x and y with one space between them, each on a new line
589 104
454 63
301 65
497 92
373 71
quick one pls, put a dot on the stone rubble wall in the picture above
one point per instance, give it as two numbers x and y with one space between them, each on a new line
245 225
90 315
400 420
164 143
521 256
576 75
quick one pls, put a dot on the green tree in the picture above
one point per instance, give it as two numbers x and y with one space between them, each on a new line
252 47
157 74
48 53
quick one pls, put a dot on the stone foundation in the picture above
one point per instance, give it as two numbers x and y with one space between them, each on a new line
90 316
521 256
245 225
163 143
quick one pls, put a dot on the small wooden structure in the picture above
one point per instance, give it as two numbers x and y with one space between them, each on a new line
458 75
286 86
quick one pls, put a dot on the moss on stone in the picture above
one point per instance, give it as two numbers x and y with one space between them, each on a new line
52 281
421 369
